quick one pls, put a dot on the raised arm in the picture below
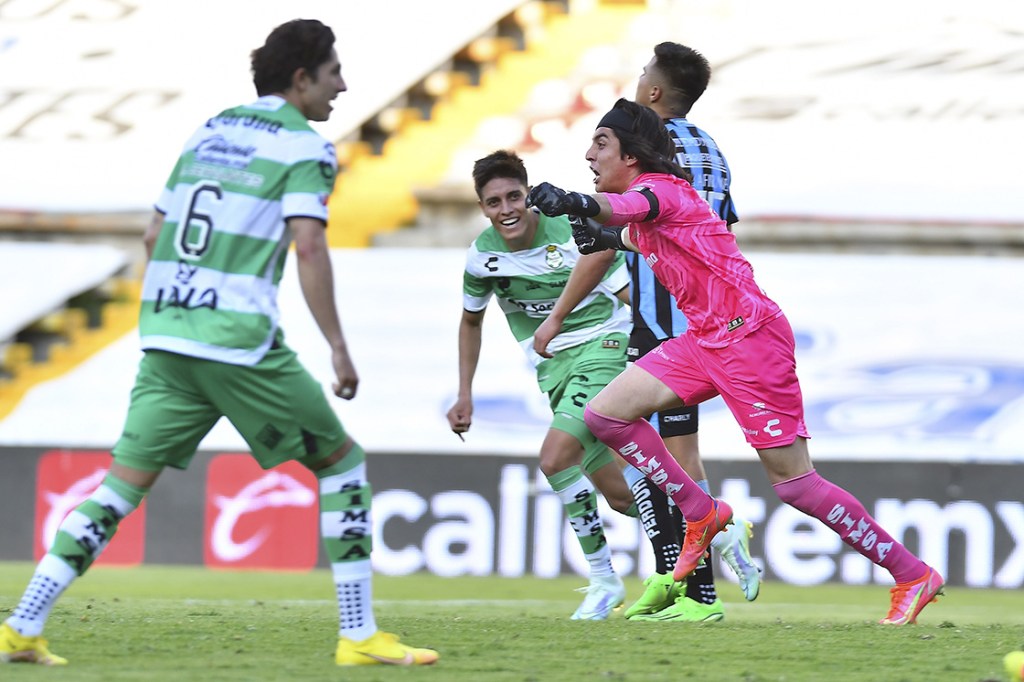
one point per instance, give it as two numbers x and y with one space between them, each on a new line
591 233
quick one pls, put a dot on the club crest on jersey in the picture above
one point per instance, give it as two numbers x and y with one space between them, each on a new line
553 258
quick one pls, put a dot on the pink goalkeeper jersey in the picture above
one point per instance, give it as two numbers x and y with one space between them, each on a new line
695 256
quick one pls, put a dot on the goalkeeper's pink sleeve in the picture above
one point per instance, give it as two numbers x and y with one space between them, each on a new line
631 207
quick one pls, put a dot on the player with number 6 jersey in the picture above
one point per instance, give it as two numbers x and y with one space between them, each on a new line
211 286
250 182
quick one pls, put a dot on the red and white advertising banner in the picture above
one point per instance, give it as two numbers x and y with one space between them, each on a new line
65 479
260 519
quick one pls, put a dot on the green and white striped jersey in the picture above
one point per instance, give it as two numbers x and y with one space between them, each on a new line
528 282
210 289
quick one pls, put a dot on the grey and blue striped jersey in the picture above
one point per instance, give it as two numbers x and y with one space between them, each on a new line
653 306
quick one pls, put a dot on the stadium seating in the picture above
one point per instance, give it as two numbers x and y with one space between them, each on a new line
534 75
791 100
95 104
62 302
380 193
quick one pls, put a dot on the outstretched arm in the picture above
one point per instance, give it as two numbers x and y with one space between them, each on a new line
316 279
590 235
460 416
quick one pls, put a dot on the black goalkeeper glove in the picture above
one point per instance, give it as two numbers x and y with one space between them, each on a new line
591 236
553 201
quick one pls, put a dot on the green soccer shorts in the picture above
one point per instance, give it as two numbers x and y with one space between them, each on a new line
574 376
276 406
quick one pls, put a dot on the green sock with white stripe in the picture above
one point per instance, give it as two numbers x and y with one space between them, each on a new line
346 528
80 539
580 501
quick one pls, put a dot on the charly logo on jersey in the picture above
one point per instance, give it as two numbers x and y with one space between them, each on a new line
256 518
219 150
65 479
553 257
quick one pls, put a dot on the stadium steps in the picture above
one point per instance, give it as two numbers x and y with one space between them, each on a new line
60 341
376 193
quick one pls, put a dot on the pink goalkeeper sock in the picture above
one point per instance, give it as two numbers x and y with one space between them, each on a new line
843 513
640 444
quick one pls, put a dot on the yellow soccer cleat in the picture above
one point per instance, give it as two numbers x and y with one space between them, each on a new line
15 648
1014 664
382 648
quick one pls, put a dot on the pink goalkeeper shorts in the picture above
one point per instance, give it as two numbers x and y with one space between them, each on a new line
756 377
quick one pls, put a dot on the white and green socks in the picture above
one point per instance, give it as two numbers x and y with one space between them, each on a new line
580 501
345 525
81 538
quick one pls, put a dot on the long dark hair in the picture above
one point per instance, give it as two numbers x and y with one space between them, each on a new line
642 134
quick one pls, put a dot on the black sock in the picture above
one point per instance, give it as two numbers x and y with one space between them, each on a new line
662 529
700 586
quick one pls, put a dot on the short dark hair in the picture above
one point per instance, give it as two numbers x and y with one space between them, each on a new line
685 70
500 164
648 140
300 43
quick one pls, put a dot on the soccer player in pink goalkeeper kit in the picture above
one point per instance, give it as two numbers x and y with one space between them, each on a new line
739 345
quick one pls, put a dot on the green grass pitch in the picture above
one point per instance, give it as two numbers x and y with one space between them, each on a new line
177 623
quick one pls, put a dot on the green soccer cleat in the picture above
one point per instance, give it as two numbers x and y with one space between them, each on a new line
16 648
733 544
382 648
604 595
689 610
660 593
